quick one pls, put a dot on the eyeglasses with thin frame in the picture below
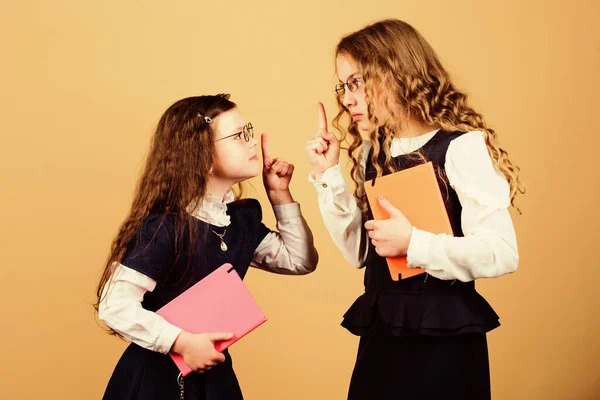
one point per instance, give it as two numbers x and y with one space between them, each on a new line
352 84
247 133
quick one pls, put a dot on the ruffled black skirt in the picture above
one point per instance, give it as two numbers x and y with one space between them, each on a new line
142 374
421 368
421 339
413 314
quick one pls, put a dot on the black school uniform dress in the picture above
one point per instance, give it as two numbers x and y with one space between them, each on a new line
420 338
143 374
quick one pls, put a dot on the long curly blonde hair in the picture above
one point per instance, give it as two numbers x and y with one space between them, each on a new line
399 66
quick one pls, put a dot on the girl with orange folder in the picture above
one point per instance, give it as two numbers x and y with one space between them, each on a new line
423 337
185 222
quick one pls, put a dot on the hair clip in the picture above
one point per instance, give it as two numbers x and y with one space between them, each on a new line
208 120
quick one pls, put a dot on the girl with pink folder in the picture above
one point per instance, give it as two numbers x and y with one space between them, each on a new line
423 337
185 222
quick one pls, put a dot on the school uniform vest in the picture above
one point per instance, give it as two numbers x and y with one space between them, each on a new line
420 305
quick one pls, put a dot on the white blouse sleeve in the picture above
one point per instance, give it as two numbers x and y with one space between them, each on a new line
489 246
291 250
341 214
121 309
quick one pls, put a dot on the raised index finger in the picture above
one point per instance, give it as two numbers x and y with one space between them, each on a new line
322 116
264 141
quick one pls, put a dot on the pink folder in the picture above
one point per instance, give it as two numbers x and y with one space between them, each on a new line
218 303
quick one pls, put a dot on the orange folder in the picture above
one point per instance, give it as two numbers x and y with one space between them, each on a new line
416 193
218 303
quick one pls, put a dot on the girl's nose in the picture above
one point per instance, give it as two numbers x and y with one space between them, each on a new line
252 142
349 99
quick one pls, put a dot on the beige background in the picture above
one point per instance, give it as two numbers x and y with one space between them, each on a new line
84 83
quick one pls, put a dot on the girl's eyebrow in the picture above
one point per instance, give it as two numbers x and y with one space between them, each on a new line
350 76
238 130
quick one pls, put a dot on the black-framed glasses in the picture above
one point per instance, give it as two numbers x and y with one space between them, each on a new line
247 133
352 84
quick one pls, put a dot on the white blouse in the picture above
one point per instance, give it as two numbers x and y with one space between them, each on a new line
489 246
289 251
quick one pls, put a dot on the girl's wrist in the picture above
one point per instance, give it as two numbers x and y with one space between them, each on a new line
180 342
277 197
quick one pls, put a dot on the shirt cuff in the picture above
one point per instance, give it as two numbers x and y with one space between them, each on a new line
332 180
166 338
417 255
284 212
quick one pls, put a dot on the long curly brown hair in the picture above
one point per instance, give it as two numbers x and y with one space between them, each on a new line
175 174
400 66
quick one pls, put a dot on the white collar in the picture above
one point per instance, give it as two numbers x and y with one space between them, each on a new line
213 209
402 145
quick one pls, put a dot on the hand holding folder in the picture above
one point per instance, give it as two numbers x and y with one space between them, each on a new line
415 192
218 303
